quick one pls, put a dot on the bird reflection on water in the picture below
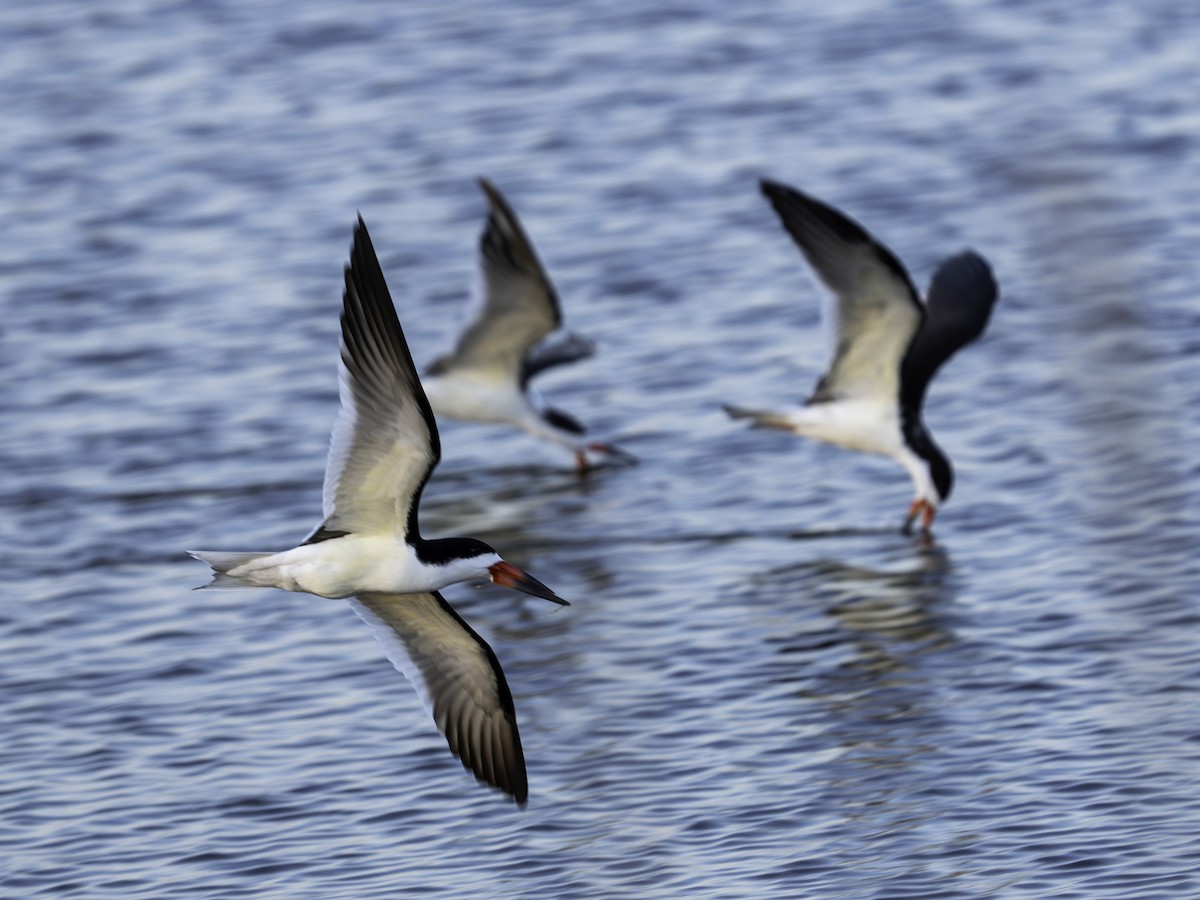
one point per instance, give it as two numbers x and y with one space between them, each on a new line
888 618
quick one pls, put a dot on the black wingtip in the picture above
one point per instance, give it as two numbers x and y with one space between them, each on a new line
496 199
958 305
971 256
772 189
512 784
965 277
782 195
371 329
971 260
360 239
800 212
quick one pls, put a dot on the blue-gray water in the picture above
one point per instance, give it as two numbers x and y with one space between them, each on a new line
758 690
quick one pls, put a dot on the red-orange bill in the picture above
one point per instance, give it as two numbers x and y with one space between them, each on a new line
509 576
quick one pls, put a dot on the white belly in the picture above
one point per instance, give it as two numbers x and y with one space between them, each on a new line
478 397
854 424
342 568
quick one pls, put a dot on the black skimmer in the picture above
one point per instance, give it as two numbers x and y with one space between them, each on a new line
369 548
888 344
487 376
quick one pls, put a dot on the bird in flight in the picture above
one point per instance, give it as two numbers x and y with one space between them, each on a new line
888 344
486 378
368 548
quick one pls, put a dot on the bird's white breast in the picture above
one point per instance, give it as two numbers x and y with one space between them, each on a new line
869 427
477 397
347 566
862 425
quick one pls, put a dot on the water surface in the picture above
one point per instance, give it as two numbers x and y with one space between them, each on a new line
761 689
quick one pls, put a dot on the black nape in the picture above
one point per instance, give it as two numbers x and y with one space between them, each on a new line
445 550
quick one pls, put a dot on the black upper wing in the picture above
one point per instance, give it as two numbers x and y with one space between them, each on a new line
385 441
960 301
876 310
458 679
517 306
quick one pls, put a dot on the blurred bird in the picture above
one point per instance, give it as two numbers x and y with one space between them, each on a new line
888 344
369 549
487 376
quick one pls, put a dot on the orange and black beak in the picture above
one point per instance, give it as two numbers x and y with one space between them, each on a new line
610 451
509 576
624 457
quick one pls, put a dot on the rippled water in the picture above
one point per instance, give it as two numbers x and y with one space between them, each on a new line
760 689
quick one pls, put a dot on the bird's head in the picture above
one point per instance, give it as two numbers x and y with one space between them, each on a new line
467 559
931 472
937 467
942 473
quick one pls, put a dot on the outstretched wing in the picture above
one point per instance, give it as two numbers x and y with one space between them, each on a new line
960 301
571 348
385 442
877 310
458 679
519 306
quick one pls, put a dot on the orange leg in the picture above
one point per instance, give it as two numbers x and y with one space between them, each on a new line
923 509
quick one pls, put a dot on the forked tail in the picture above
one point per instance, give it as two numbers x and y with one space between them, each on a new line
760 418
222 562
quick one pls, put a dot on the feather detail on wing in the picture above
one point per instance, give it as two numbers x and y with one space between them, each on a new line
959 304
458 679
571 348
518 306
877 310
385 442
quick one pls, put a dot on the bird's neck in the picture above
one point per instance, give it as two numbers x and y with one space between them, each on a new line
927 465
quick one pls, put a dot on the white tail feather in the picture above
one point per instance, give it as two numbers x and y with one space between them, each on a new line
760 418
221 562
